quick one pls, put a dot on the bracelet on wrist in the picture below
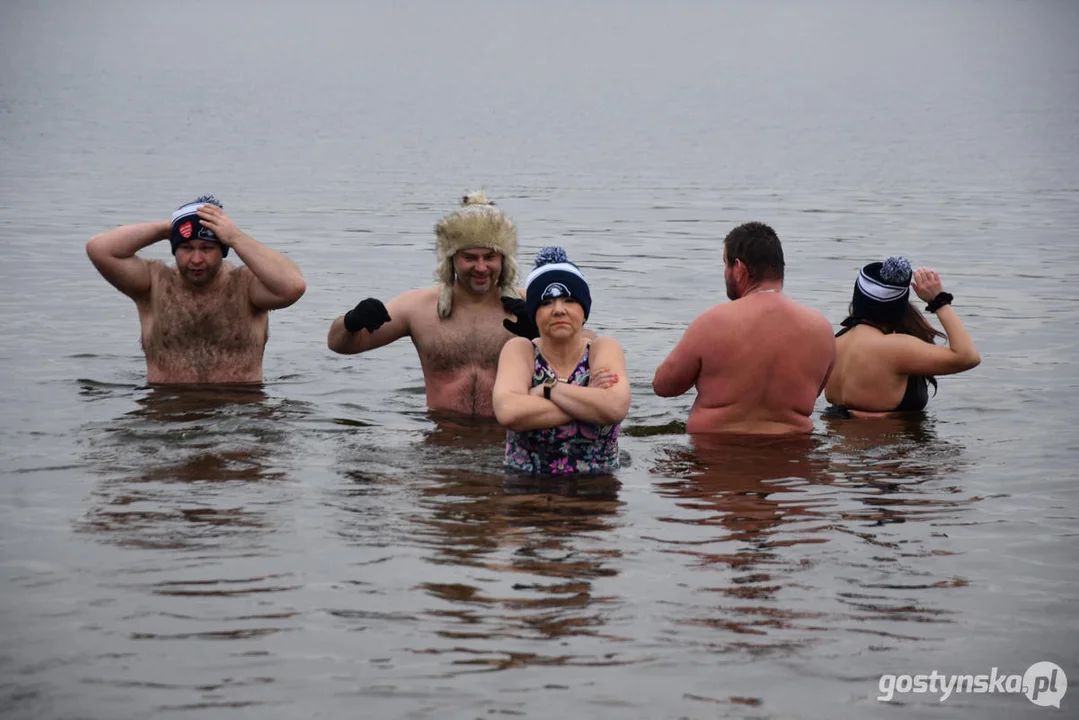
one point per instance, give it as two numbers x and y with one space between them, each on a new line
942 299
549 384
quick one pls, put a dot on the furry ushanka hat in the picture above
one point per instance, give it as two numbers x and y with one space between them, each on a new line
477 224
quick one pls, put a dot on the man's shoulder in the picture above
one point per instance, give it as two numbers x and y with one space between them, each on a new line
160 273
719 313
415 302
156 266
813 317
419 296
238 273
418 308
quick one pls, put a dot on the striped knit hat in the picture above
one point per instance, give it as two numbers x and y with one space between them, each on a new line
882 290
187 226
555 276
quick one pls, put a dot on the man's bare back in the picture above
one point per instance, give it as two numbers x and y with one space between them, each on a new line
760 361
213 335
759 364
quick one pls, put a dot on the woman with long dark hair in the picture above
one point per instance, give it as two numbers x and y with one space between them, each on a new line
886 355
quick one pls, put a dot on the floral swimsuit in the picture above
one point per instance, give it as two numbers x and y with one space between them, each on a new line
576 447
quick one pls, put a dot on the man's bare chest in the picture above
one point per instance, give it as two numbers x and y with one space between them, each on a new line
461 345
223 321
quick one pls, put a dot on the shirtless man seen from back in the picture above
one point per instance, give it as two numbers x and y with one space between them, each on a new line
460 326
760 361
204 320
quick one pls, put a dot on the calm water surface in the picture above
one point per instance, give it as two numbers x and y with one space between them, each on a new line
324 547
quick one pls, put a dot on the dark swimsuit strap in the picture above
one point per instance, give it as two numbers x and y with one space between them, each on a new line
853 322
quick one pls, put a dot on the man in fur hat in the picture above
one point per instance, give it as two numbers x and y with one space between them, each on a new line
460 325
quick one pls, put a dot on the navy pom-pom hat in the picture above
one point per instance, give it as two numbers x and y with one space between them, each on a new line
882 290
555 276
186 225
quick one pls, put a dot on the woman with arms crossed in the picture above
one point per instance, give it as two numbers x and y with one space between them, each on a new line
562 396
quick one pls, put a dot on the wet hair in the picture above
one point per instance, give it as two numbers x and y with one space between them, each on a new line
759 249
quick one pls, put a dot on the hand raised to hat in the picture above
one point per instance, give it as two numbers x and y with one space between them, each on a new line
927 284
214 218
524 326
369 314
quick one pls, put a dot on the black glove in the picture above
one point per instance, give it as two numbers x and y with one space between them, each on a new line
370 314
524 326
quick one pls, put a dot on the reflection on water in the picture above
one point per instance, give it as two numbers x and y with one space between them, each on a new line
749 502
765 515
772 546
501 565
533 552
191 486
173 470
888 459
734 480
899 472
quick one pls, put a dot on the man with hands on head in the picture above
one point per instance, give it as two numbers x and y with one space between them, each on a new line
460 325
203 320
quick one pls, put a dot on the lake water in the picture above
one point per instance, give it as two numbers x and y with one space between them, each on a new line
323 547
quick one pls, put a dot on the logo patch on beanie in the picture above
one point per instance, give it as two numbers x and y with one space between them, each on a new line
185 230
555 290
